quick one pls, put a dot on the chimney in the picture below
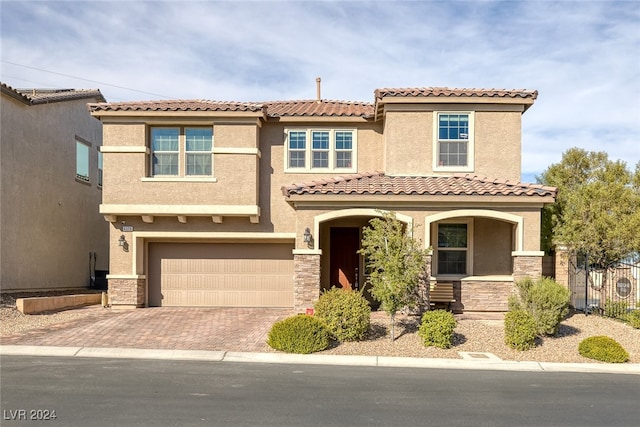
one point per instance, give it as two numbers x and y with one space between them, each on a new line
318 98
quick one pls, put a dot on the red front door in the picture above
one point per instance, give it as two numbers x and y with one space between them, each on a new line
344 263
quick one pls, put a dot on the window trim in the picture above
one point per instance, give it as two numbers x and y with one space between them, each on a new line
309 150
182 155
100 165
470 143
469 249
82 178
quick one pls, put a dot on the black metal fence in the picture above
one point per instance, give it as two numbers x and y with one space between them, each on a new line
611 292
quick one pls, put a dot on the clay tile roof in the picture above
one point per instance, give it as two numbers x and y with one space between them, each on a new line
315 108
177 105
455 93
45 96
377 183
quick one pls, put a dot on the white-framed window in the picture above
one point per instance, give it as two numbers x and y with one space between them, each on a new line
453 248
181 151
453 141
82 160
320 150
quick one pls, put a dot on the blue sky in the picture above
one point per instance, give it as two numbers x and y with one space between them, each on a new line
583 57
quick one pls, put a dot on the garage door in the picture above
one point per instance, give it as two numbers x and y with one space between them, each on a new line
221 275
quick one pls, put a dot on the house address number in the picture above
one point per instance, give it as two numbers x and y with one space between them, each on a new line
127 228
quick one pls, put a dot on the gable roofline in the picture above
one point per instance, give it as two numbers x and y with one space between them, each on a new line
322 108
47 96
432 95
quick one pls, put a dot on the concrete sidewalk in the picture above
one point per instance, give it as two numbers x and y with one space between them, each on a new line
313 359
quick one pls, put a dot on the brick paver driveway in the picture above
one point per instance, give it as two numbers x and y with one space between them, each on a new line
227 329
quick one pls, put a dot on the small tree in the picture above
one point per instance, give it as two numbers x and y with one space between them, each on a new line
397 263
596 209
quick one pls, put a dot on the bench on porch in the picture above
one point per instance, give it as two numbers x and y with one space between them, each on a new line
441 293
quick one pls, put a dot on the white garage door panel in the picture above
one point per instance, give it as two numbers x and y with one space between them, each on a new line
224 275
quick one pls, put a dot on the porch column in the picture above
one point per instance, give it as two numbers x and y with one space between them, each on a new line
306 280
527 264
562 265
126 292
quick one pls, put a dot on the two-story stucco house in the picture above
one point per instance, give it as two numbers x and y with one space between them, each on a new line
263 204
52 235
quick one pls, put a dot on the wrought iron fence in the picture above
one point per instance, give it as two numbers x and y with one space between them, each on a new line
611 292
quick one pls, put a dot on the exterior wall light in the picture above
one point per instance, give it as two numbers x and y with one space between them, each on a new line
122 242
307 235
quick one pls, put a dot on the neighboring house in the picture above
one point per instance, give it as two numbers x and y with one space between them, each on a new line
53 237
263 204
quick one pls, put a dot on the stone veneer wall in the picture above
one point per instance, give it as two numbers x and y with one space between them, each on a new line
306 281
127 293
562 266
527 266
481 296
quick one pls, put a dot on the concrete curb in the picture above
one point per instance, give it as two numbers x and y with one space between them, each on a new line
317 359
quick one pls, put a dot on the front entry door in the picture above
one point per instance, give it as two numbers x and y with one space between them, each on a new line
345 242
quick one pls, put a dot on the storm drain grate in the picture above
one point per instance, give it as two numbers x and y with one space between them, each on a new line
471 355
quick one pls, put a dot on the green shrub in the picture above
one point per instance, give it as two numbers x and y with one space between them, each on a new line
604 349
633 318
346 314
520 330
436 328
616 309
545 299
301 334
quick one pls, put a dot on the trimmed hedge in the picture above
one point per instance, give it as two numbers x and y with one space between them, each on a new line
346 314
436 328
520 330
545 299
300 334
604 349
633 318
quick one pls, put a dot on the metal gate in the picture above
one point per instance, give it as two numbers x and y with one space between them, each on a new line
611 292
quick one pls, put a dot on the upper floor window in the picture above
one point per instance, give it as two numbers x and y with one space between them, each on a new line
82 160
452 249
99 169
181 151
453 141
320 150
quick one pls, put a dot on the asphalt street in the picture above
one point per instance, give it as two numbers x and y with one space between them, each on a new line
139 392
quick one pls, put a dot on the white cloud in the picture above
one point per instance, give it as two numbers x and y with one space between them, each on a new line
580 56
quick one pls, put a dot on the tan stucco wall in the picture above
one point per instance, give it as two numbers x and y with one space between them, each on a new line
408 143
257 180
409 133
49 221
127 178
492 247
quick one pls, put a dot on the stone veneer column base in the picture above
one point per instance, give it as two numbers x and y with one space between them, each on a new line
126 293
527 266
306 281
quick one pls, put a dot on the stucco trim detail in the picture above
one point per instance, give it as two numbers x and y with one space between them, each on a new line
124 149
484 213
126 276
528 253
342 213
307 251
170 210
236 150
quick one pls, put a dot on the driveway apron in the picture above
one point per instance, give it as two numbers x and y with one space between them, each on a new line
179 328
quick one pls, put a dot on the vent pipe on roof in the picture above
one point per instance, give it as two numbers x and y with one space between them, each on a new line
318 98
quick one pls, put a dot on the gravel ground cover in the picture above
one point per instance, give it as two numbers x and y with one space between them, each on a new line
473 334
482 335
